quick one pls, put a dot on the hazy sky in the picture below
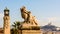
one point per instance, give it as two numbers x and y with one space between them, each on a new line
45 10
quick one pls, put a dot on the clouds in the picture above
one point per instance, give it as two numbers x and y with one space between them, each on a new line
53 18
1 20
1 16
55 21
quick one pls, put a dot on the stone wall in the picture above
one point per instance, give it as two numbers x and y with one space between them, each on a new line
30 31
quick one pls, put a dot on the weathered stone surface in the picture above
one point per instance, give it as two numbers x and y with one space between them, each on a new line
30 32
29 19
6 25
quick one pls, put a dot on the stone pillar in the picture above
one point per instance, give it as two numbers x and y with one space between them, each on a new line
6 25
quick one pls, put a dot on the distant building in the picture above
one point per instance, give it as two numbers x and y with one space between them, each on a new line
49 27
1 30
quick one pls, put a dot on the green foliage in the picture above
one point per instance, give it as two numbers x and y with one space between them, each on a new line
14 31
16 27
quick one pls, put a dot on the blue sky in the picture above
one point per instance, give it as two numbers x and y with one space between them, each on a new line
45 10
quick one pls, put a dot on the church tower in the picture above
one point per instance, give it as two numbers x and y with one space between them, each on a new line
6 25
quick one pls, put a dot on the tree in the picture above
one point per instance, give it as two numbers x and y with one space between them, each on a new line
16 27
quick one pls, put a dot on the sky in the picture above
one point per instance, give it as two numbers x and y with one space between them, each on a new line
45 11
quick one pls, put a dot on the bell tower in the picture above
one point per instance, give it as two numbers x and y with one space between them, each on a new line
6 25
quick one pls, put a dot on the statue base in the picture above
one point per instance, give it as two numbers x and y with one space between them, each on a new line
29 26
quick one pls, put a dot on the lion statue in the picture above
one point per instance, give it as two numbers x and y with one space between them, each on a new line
27 16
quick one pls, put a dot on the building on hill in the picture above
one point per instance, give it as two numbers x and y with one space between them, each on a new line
49 27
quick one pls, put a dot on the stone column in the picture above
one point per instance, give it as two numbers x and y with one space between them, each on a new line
6 25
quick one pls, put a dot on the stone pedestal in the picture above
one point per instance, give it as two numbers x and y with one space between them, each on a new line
29 26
